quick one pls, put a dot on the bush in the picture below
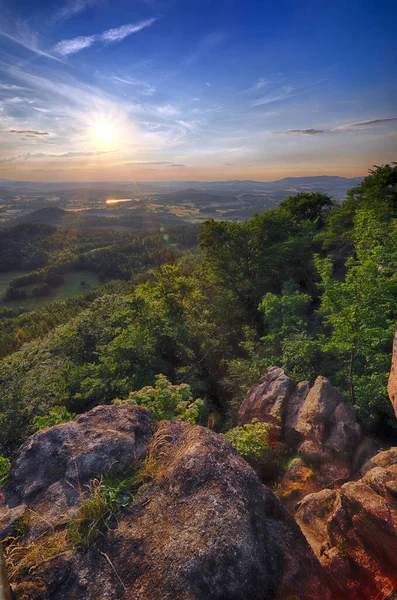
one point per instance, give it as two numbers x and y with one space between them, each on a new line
167 401
258 443
5 467
56 416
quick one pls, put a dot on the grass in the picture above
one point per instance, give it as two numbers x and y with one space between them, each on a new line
69 289
98 511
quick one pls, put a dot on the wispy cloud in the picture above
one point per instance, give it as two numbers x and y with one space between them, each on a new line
304 131
72 8
66 47
29 155
144 88
28 45
24 131
341 128
287 92
260 84
366 123
10 87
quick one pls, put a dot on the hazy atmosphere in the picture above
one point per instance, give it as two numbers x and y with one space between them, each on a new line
198 90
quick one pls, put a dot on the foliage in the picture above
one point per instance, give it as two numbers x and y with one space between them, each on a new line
361 313
310 286
55 416
96 511
5 466
252 440
167 401
258 443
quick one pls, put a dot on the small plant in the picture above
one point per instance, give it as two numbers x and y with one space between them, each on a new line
96 511
5 466
257 442
22 525
342 547
167 402
22 558
56 416
328 506
252 440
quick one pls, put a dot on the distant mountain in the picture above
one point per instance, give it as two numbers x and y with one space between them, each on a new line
327 183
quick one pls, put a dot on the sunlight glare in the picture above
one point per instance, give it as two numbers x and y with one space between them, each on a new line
104 132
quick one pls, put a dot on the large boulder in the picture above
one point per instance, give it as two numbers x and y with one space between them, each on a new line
268 398
392 385
202 527
56 463
328 426
353 531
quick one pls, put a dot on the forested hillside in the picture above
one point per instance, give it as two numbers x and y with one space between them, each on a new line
310 286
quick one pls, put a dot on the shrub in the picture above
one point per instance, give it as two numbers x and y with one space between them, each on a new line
5 467
167 401
258 443
55 416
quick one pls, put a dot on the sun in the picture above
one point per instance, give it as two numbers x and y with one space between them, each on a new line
104 132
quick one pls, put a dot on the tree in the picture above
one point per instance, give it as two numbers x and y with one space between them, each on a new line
360 312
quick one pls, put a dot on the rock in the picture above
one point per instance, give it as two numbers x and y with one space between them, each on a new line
356 539
55 463
316 424
313 513
267 399
203 527
384 459
392 384
294 405
367 448
328 425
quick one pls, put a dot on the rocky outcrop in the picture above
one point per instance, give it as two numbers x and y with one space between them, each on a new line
267 399
55 463
328 426
392 385
353 531
316 423
203 526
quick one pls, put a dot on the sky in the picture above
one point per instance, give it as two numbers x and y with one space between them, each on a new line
132 90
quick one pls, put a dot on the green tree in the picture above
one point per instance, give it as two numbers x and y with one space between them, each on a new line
360 312
167 401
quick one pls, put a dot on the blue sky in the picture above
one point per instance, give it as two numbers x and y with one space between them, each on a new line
197 89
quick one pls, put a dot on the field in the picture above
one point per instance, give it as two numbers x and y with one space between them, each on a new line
72 287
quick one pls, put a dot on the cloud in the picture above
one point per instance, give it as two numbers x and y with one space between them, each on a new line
287 93
260 84
24 131
149 162
10 87
167 110
176 165
365 123
66 47
146 88
190 127
72 8
340 128
29 155
29 45
228 164
304 131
